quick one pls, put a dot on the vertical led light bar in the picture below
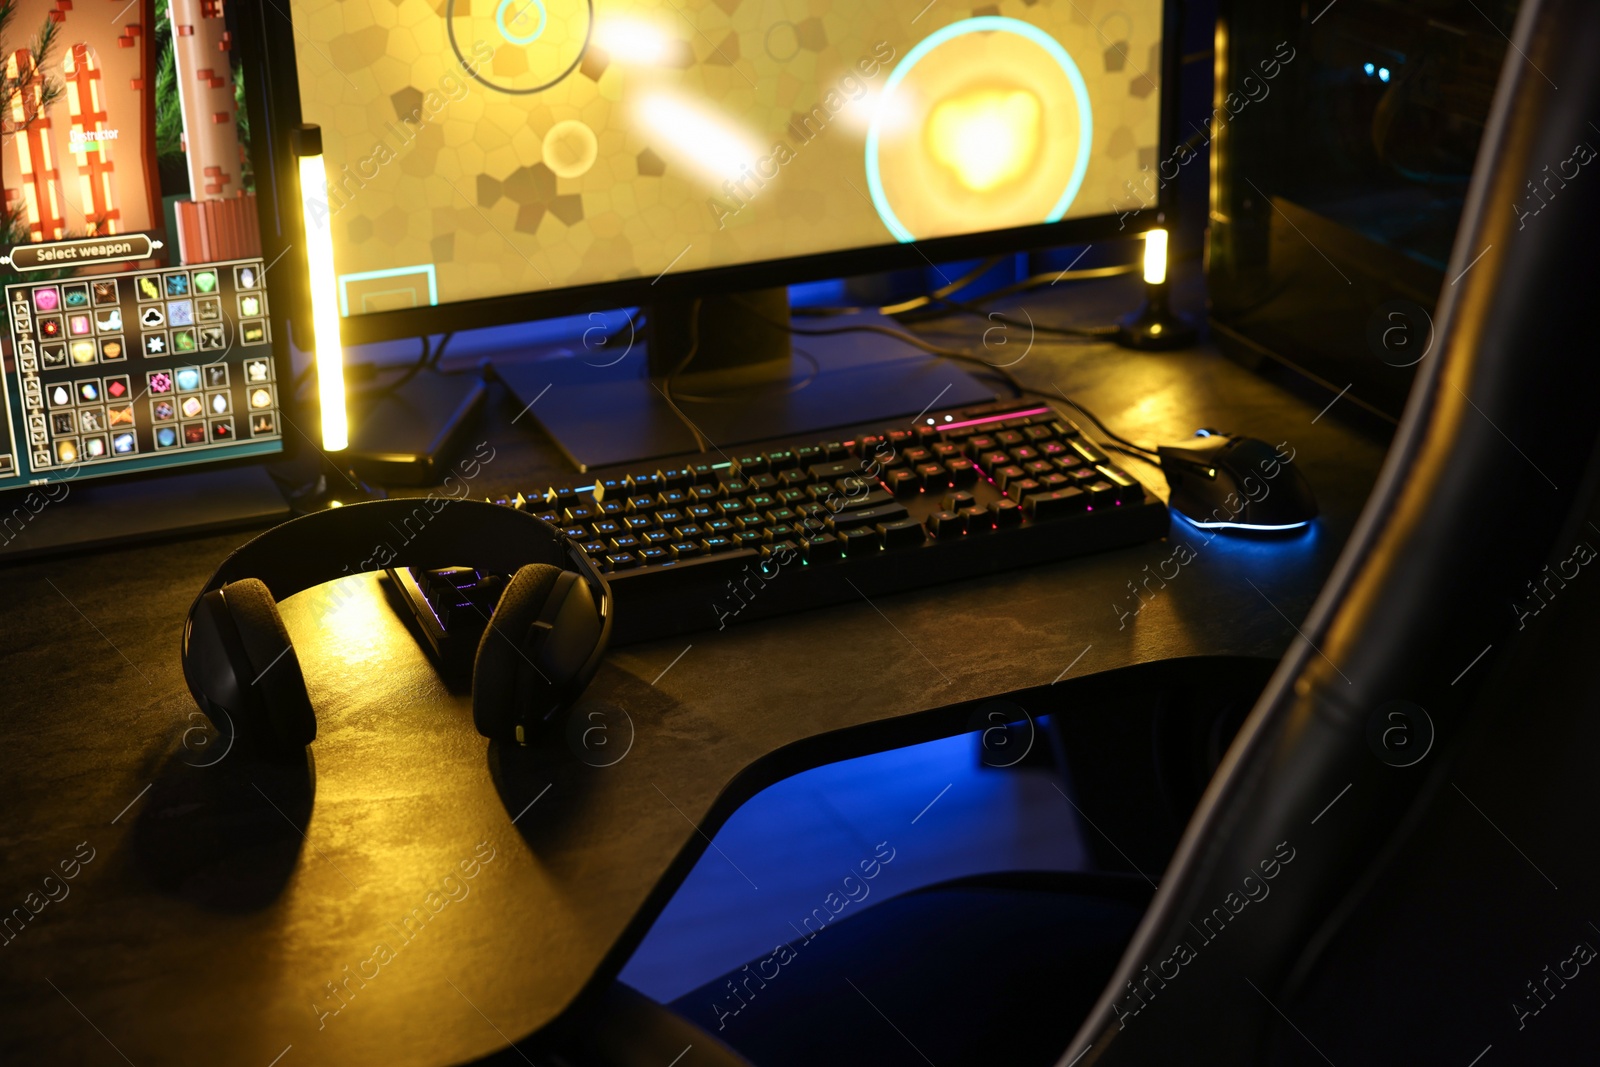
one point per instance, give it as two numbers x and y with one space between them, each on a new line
1155 257
1155 326
329 351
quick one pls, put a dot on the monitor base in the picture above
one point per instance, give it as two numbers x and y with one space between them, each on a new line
606 410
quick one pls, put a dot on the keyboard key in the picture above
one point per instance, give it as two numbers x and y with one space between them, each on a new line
700 512
641 503
552 517
861 541
690 531
914 456
1007 475
610 489
902 482
823 547
653 555
957 500
750 522
906 533
754 463
578 513
675 477
624 541
781 460
611 507
979 444
945 450
834 450
993 461
729 508
1055 503
1089 451
561 496
944 525
1004 513
792 478
704 494
962 471
790 496
577 533
656 537
749 539
1127 490
670 516
932 476
828 472
761 501
716 543
1021 487
725 527
1100 492
1008 438
978 520
763 482
1021 456
686 550
596 549
606 528
638 523
781 549
807 455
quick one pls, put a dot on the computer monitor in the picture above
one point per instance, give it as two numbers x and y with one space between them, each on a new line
138 332
492 161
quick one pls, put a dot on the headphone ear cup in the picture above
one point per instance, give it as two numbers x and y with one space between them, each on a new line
272 669
502 652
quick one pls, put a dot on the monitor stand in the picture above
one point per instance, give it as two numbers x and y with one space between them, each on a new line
606 403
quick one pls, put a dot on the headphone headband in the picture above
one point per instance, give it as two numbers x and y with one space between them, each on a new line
417 532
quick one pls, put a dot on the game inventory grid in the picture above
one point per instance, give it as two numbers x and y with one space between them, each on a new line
113 367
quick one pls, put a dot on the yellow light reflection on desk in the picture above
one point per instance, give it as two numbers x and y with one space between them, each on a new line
324 302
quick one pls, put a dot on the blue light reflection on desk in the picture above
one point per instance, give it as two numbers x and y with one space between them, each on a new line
798 839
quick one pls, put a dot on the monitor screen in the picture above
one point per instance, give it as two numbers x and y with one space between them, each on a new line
485 148
137 328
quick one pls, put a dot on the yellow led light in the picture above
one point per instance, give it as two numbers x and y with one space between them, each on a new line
1155 257
987 138
324 302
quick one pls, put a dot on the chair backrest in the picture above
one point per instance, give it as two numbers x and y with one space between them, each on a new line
1336 778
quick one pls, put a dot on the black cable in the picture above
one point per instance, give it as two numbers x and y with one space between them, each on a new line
666 383
1122 444
912 304
411 372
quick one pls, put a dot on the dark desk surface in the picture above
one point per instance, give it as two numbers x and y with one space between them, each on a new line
222 900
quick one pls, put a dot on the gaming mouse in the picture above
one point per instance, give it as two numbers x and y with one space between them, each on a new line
1225 481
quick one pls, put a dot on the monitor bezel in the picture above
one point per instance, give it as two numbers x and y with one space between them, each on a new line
271 55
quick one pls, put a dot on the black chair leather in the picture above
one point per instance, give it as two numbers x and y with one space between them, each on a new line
1491 476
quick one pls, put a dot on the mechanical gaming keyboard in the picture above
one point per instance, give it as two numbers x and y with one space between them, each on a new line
706 540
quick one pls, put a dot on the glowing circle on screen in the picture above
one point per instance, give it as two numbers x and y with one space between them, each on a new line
996 113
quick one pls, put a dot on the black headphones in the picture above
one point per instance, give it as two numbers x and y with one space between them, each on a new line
542 646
